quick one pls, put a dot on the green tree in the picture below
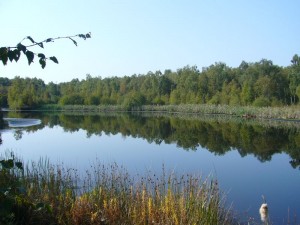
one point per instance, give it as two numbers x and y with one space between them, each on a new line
203 87
298 91
4 84
234 93
217 75
14 95
294 77
264 87
134 100
26 93
165 85
52 93
247 94
72 99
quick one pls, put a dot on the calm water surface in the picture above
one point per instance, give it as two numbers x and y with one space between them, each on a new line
249 158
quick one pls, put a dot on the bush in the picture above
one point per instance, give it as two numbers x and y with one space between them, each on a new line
261 102
74 99
92 100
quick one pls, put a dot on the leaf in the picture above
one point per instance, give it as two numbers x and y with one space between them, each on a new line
75 43
82 36
88 35
19 165
14 55
21 47
3 50
54 59
30 38
41 55
41 44
7 164
30 57
4 55
42 62
17 54
10 55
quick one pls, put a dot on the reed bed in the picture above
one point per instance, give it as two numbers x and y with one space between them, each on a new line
110 195
84 108
284 112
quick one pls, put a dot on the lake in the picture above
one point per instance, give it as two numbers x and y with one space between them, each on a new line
249 158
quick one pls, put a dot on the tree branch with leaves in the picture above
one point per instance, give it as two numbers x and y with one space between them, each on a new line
14 53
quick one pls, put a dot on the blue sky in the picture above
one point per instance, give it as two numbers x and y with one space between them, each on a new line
134 36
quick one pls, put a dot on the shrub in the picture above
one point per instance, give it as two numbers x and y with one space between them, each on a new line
261 102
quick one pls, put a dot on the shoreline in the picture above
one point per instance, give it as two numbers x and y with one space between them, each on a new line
286 113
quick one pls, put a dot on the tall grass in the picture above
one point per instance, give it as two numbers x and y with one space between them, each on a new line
84 108
110 195
284 112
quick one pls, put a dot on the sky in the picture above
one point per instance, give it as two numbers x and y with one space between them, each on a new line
137 36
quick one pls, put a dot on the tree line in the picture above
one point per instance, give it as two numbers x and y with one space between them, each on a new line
258 84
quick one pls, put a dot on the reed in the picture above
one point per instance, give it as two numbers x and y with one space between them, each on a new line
284 112
108 194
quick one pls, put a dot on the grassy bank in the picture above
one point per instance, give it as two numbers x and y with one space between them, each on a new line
286 112
44 193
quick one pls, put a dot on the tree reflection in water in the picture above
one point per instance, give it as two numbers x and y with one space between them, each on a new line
1 125
218 134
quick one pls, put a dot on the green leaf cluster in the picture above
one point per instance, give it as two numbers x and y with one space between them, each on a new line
14 53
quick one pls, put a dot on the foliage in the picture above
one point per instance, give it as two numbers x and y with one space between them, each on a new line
15 208
32 95
251 84
73 99
14 53
262 102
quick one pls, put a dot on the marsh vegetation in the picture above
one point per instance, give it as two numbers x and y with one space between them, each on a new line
106 194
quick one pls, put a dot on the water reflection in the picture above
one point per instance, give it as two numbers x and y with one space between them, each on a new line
1 124
20 122
218 134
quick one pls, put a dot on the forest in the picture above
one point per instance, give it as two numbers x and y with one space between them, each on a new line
250 84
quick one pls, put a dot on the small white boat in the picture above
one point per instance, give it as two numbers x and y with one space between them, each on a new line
20 122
